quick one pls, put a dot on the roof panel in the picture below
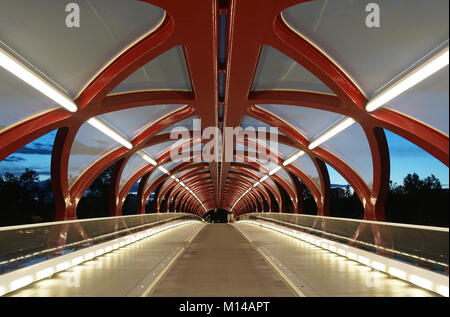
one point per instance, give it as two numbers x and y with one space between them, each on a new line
409 29
278 71
285 176
167 71
310 122
280 149
134 164
89 146
179 126
157 173
250 122
156 150
71 57
19 101
131 122
352 147
306 165
427 102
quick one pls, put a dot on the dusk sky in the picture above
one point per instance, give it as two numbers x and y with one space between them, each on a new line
405 158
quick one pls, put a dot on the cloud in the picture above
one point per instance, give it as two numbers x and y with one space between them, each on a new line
404 151
13 158
36 148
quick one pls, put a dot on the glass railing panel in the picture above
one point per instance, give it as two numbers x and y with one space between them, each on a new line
423 246
25 245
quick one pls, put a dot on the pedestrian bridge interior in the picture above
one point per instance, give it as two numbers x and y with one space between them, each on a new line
319 77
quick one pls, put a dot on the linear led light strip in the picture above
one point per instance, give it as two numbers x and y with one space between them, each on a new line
263 179
355 241
90 240
245 193
430 67
21 71
434 64
425 279
147 158
165 171
273 171
192 193
18 69
15 67
109 132
41 271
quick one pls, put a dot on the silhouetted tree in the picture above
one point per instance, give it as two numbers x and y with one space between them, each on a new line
309 204
347 192
29 178
25 200
431 183
10 178
130 205
95 202
418 201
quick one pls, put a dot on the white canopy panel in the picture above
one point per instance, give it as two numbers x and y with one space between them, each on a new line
306 165
131 122
72 56
167 71
352 147
134 164
19 101
309 122
372 56
278 71
89 146
427 102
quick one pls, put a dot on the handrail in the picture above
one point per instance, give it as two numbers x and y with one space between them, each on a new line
419 245
35 225
30 243
397 224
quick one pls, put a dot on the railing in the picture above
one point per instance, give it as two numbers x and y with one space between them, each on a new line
422 246
25 245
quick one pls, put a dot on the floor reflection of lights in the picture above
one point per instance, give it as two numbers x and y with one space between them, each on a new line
99 269
349 277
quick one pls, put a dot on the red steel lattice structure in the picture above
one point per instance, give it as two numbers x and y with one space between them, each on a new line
194 25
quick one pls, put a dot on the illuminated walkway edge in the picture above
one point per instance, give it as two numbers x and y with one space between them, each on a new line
426 279
20 278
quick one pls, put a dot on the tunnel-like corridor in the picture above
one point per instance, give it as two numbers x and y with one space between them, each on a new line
222 260
226 148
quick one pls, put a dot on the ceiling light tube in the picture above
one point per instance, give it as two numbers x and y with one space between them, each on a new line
332 132
256 184
182 184
15 67
147 158
163 169
109 132
276 169
264 178
427 69
293 158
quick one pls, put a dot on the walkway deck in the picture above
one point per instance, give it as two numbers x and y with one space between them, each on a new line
220 261
226 260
